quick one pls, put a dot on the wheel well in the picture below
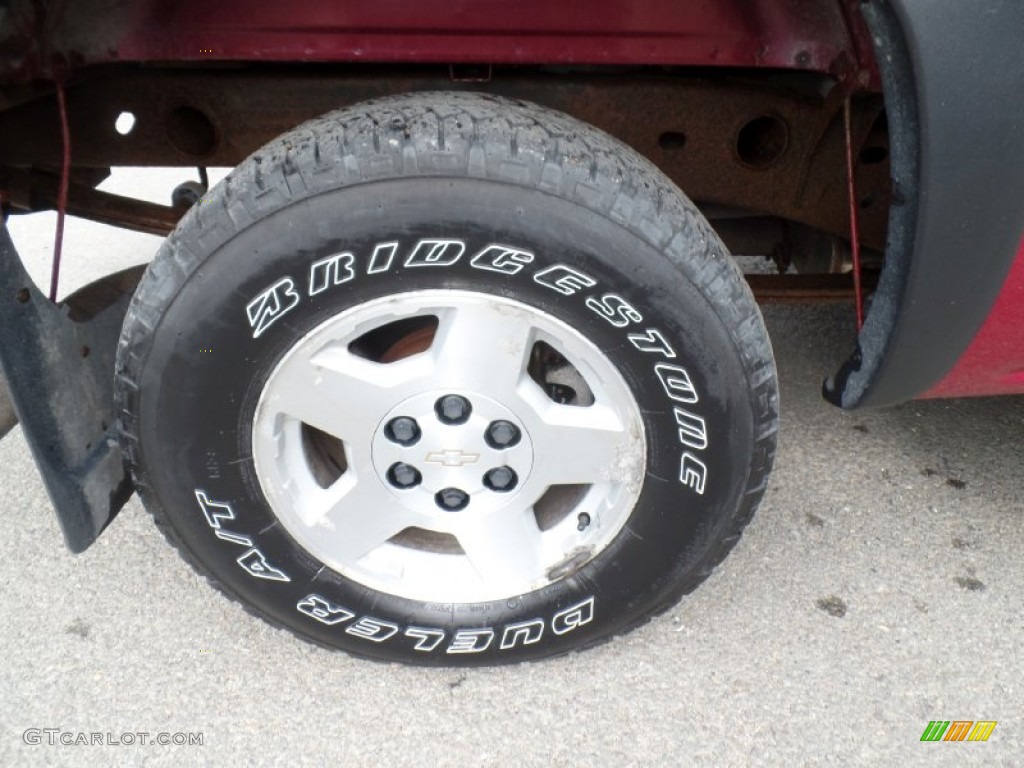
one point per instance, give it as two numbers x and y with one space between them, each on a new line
745 142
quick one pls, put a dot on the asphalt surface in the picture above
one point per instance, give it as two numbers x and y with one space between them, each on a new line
878 588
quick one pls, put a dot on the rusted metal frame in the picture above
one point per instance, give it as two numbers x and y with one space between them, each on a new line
31 191
825 169
702 117
831 108
803 288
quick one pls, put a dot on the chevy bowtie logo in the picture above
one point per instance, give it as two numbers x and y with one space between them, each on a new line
452 458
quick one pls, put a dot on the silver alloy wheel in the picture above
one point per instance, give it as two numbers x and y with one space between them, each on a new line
458 476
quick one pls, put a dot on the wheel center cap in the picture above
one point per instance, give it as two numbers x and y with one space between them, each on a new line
445 452
452 457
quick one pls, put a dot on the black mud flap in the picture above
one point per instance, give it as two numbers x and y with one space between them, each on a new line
59 366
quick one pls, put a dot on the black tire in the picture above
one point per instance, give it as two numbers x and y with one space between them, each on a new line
682 329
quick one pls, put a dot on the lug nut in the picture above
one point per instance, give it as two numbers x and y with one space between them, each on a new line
453 409
501 479
402 430
451 499
402 475
502 434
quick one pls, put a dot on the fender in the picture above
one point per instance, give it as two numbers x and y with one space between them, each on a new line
958 203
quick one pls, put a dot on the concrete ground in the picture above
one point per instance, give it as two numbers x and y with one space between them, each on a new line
878 588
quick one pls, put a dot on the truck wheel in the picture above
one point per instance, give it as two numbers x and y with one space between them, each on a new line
448 379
